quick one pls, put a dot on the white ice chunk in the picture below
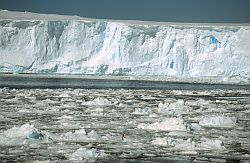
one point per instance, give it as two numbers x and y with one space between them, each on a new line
66 121
218 121
199 102
98 101
25 134
172 107
86 155
142 111
64 95
95 111
22 131
166 141
189 145
169 124
38 161
93 135
79 135
185 145
66 117
2 118
195 127
211 144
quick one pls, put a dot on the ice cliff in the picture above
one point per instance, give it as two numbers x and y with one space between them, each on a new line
37 43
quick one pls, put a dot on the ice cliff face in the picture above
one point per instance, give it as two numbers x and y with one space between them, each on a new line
113 47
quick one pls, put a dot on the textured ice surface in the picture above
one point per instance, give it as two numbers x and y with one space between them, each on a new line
25 134
218 121
79 135
142 111
86 155
37 161
168 141
211 144
172 107
98 101
189 145
56 125
165 125
56 44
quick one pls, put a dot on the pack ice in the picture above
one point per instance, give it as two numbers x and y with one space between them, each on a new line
39 43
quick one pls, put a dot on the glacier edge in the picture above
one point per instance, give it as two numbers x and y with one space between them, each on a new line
109 47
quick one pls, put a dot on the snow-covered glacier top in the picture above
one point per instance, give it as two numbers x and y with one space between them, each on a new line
40 43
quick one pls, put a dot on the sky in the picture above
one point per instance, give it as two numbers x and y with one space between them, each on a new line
198 11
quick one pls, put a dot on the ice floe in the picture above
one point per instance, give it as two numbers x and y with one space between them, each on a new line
67 121
172 107
142 111
199 102
86 155
64 95
211 144
168 124
166 141
79 135
218 121
3 118
98 101
25 134
194 127
189 145
95 111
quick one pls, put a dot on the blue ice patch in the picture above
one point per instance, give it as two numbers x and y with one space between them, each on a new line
213 40
172 64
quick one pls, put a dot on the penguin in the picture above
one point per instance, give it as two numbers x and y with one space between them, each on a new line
123 136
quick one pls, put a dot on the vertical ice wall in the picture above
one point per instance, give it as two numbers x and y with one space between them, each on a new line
109 47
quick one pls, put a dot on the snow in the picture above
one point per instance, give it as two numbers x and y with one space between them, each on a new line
39 43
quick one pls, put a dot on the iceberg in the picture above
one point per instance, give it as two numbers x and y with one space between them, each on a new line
44 43
21 135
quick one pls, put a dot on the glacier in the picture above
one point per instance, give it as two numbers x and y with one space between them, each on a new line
57 44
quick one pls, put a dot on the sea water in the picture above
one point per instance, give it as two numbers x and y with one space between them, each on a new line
111 125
